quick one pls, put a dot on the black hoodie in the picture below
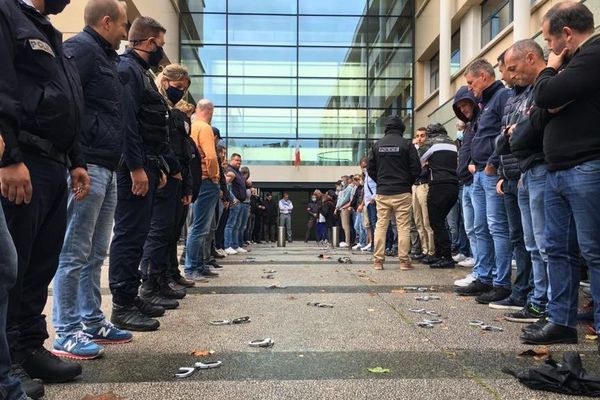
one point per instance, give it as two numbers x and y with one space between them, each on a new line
464 154
439 152
393 161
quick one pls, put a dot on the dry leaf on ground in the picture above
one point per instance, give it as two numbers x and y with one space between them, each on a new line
398 291
104 396
538 353
202 353
591 337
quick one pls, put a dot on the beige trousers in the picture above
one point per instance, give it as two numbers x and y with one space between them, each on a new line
346 216
388 205
419 203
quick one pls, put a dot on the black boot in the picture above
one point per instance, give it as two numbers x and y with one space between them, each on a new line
169 292
149 310
41 364
443 263
130 318
32 388
150 292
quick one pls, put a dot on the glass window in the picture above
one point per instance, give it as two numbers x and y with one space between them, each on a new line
219 120
262 6
331 123
262 122
332 93
202 5
390 7
332 7
262 92
390 63
262 30
384 93
262 61
202 29
332 62
333 31
212 88
312 151
389 31
377 119
455 53
495 16
434 73
207 60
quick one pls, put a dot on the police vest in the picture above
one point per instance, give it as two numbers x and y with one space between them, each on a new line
153 116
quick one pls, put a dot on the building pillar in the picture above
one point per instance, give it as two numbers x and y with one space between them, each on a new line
445 51
521 16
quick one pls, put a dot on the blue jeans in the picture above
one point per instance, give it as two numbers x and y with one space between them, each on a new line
469 221
361 232
572 221
204 212
244 218
233 226
321 231
493 243
531 203
77 296
524 278
372 212
460 241
10 389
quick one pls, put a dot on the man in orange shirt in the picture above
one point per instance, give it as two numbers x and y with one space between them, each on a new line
205 205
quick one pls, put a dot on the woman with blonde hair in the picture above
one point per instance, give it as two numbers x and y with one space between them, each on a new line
162 280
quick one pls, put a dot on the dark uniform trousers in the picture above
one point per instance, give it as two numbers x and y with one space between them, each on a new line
440 200
162 226
181 213
133 216
38 230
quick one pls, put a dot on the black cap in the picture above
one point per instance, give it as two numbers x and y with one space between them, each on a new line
436 130
394 123
216 132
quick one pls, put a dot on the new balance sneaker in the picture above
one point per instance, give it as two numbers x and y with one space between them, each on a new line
77 346
464 282
230 251
494 295
528 314
107 333
507 304
475 288
459 257
468 262
241 250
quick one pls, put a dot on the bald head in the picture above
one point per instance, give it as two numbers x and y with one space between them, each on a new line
108 18
204 110
524 61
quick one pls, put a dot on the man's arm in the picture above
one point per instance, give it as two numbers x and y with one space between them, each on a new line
84 57
133 89
414 164
372 165
205 140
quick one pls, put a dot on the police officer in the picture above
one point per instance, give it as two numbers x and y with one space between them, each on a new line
173 82
143 170
77 297
40 116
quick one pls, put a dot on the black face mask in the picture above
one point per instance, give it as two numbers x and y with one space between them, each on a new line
174 94
55 6
155 57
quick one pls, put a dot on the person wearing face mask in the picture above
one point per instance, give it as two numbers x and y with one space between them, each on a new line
312 209
157 283
142 172
41 106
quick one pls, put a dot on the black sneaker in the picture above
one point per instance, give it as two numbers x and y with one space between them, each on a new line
130 318
508 304
474 289
496 294
157 300
41 364
429 260
536 326
215 265
443 263
148 309
417 256
209 274
33 388
168 292
180 280
529 314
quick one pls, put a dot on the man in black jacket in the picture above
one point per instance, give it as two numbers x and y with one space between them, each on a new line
270 218
312 210
40 118
77 297
573 161
394 165
439 154
525 60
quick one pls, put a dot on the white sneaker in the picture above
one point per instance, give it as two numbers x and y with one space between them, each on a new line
368 247
343 244
459 257
468 262
513 264
230 251
241 250
356 246
466 281
221 252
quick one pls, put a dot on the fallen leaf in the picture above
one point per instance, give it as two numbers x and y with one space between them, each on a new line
372 280
451 354
379 370
291 298
370 310
202 353
445 328
499 319
538 353
591 337
103 396
372 294
398 291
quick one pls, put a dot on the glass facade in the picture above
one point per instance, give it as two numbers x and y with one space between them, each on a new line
321 75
